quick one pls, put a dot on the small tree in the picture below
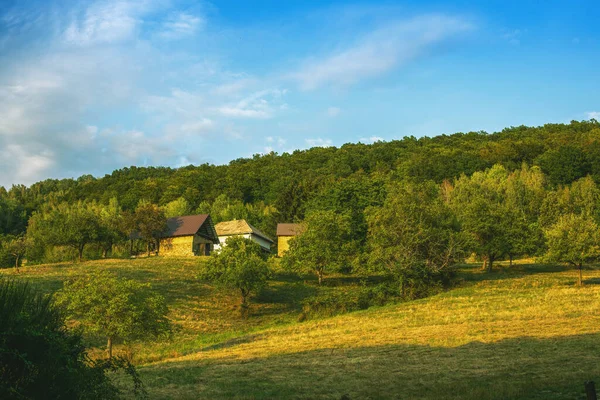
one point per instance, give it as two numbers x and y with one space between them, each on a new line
323 246
74 225
177 208
414 237
117 308
112 225
574 239
17 247
241 266
39 357
150 222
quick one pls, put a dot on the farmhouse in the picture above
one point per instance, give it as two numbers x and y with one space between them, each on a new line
240 227
191 235
284 233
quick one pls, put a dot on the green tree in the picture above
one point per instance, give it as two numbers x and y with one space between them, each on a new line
480 202
323 246
177 208
39 357
414 237
151 223
17 247
239 265
573 239
117 308
74 225
564 164
112 225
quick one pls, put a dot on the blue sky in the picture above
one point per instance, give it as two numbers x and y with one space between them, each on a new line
91 86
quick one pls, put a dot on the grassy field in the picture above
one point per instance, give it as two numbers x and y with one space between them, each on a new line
520 332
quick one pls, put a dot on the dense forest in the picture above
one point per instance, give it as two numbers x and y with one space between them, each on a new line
506 190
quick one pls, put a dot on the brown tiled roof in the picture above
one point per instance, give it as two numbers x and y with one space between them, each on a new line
238 227
289 229
185 226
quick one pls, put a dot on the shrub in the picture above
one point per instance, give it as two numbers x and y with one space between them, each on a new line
40 358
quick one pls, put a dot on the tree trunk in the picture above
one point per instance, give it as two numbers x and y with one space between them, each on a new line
580 281
109 347
17 264
244 306
130 247
320 276
510 257
485 263
148 248
490 263
81 246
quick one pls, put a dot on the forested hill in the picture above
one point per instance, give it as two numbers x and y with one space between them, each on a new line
288 182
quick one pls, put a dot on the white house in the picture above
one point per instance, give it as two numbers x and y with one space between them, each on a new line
240 227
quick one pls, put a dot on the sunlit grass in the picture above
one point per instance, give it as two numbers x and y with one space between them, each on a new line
521 332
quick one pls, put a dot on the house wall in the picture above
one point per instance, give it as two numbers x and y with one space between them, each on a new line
264 243
182 246
283 245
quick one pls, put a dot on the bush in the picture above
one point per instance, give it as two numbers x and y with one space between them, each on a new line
40 358
334 303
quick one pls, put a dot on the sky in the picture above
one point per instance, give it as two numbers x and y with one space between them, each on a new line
87 87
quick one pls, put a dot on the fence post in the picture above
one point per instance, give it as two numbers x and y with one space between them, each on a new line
590 390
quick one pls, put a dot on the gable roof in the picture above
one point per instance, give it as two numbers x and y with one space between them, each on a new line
289 229
239 227
189 225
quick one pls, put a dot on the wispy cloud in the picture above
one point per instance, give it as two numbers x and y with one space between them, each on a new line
379 51
181 25
261 105
593 115
106 22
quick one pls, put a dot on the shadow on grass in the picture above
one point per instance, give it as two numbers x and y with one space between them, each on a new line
233 342
474 273
519 368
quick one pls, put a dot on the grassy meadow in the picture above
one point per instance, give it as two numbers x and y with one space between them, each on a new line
521 332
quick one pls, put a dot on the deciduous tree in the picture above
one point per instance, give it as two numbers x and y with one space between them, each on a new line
241 266
574 239
117 308
323 245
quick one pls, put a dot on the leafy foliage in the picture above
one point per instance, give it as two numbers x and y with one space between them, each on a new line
239 265
323 246
117 308
39 357
574 239
415 237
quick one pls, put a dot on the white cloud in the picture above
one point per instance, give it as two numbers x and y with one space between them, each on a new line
593 115
180 25
258 105
319 142
333 111
106 22
379 51
372 139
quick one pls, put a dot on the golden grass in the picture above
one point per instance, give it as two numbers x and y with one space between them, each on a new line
525 332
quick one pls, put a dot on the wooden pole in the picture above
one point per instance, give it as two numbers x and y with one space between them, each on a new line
590 390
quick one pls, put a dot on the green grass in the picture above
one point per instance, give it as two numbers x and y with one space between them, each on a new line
522 332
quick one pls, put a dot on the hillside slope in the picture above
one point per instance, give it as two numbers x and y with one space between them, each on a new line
524 332
527 333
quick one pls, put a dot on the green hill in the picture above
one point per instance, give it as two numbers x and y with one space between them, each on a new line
523 332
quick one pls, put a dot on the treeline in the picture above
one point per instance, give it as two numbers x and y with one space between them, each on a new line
357 182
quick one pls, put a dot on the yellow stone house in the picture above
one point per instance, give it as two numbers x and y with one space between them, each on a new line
190 235
284 233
